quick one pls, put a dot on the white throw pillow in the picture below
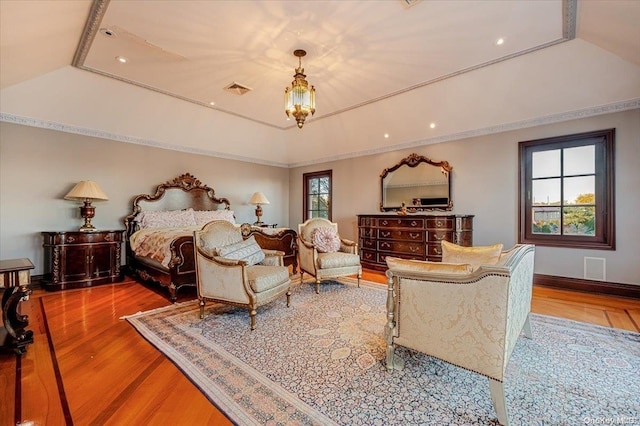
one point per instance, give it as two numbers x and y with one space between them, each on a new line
247 250
167 219
203 217
326 239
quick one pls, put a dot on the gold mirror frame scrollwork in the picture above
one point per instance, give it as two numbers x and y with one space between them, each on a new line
412 161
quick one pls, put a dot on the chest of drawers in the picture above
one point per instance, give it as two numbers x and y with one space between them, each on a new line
410 237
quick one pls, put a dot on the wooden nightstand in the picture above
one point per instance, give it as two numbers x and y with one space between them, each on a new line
81 259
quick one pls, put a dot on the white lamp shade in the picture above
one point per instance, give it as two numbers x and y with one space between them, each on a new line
86 189
258 198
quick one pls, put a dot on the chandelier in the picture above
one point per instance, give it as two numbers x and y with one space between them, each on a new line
299 99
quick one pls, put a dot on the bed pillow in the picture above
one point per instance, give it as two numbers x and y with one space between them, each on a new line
325 239
167 219
247 250
475 256
202 217
426 266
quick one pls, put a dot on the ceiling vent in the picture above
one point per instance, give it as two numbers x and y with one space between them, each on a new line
237 89
409 3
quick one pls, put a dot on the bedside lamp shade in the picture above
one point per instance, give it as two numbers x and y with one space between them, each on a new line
86 191
258 198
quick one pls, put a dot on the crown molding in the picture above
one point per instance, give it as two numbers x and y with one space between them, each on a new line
506 127
85 131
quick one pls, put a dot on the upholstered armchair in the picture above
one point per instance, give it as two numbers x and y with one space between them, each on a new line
467 315
324 254
235 271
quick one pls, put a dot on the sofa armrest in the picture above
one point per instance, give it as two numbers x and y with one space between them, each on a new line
273 258
348 246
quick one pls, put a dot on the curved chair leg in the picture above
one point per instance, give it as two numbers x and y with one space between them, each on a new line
499 402
252 314
317 286
288 298
359 276
201 308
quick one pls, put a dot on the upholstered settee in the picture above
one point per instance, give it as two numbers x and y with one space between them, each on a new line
237 272
469 315
324 254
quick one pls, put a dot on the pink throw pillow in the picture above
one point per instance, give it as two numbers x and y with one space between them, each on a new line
326 239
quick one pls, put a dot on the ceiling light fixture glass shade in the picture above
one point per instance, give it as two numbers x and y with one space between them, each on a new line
299 99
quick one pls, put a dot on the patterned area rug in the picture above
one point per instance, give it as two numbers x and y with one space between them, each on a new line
321 361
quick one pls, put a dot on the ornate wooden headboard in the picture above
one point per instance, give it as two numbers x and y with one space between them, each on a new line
178 194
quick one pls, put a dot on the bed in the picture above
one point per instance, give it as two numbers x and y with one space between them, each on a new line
160 250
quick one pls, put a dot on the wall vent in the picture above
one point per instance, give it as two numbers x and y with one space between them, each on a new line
595 268
237 89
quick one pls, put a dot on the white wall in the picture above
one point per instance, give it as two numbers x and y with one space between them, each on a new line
485 184
38 167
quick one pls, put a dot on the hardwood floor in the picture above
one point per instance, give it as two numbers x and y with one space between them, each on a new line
89 367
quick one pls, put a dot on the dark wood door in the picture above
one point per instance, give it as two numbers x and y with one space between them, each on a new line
75 265
102 260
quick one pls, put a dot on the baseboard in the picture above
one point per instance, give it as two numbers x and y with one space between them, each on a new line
36 282
588 286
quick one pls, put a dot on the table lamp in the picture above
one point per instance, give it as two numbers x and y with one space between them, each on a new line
86 191
258 198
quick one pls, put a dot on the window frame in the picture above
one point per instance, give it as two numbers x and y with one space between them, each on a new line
306 177
604 238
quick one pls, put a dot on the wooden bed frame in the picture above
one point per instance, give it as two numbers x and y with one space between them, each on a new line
181 193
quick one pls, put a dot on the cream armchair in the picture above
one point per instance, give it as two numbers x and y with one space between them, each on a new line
235 271
345 261
468 319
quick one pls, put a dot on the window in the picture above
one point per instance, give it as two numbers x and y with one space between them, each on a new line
317 195
567 191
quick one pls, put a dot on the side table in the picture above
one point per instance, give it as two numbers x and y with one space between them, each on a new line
74 259
15 277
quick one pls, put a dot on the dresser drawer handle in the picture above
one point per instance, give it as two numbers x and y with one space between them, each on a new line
368 256
385 245
437 250
414 223
385 223
385 234
439 237
71 239
414 249
414 236
108 238
439 223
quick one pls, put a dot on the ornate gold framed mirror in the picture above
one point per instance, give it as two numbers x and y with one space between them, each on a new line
418 183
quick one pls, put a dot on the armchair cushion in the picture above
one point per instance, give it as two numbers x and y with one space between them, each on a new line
326 239
247 250
475 256
337 260
263 278
426 266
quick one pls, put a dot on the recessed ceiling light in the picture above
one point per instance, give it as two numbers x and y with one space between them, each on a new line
500 42
432 125
386 135
212 103
121 59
